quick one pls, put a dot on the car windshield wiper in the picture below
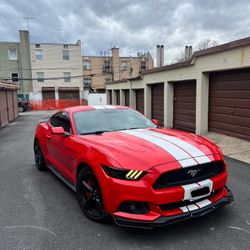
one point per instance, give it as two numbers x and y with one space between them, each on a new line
98 132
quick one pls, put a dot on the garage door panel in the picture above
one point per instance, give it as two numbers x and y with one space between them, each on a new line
231 85
185 99
230 111
189 106
231 119
229 103
185 105
231 128
231 75
187 118
183 125
231 133
157 98
68 95
126 94
182 111
139 93
236 94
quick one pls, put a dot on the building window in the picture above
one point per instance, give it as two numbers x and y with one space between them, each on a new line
12 54
143 66
40 76
39 54
38 46
65 54
86 65
124 65
107 66
87 82
65 46
14 77
67 76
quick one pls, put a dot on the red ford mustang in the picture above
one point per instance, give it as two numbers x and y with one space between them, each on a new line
123 166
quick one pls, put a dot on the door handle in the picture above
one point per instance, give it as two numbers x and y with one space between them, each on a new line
48 136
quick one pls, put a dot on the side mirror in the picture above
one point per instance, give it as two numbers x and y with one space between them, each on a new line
156 122
58 130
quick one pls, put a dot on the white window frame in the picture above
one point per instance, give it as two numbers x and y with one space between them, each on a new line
40 78
86 65
37 55
9 53
67 76
65 57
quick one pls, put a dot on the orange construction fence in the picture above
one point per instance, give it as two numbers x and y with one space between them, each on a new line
55 104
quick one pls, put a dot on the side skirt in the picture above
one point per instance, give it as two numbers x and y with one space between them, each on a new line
55 172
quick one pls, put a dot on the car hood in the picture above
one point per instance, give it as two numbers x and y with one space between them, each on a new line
142 149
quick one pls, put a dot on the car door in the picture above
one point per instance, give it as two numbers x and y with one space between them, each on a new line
60 147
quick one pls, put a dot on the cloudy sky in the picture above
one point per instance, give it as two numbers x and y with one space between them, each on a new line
131 25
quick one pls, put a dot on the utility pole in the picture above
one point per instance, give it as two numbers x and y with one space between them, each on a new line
27 20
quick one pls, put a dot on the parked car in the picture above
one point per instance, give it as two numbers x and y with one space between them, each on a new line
124 166
23 105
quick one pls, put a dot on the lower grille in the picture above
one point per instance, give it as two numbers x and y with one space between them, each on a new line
171 206
189 175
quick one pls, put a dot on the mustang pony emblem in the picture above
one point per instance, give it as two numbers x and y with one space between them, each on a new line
193 172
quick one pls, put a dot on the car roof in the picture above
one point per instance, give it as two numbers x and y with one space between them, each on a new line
93 107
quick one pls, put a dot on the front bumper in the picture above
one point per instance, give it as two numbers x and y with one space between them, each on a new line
167 220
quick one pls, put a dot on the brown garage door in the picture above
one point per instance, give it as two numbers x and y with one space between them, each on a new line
157 91
68 93
3 108
185 106
10 105
126 93
229 103
139 93
48 93
117 95
109 92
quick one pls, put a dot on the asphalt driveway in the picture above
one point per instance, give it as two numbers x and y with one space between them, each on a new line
37 211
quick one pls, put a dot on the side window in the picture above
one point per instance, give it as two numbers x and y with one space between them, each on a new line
61 120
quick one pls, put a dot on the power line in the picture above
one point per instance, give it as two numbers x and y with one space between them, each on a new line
61 77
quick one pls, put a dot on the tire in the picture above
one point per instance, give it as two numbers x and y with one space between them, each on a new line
39 158
89 196
20 109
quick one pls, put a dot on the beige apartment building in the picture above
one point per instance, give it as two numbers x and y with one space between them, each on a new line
99 70
56 71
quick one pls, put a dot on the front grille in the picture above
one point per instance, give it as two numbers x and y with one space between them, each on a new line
171 206
189 175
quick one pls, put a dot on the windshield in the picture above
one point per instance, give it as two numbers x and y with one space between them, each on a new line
106 120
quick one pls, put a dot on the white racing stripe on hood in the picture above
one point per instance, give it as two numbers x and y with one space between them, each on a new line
98 106
180 155
109 107
199 156
103 107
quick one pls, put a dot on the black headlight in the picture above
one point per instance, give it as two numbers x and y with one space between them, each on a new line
123 174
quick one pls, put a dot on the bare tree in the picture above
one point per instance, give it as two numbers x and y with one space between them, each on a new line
205 43
180 57
202 44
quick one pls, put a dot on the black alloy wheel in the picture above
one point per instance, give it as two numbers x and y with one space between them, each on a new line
39 159
20 109
89 196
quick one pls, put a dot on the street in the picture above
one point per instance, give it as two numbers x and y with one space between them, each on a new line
38 211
